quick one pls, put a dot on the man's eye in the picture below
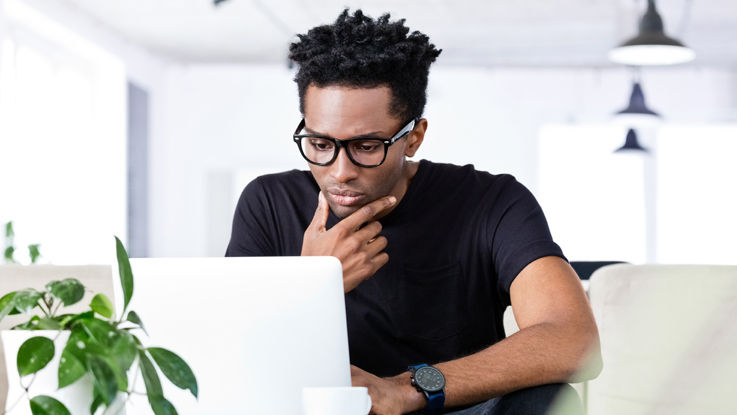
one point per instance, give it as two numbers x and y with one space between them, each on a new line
366 146
321 145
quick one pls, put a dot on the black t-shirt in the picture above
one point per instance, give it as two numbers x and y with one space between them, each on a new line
456 241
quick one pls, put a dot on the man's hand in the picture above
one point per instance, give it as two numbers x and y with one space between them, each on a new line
390 396
358 248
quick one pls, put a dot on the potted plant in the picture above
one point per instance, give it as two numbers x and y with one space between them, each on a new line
97 351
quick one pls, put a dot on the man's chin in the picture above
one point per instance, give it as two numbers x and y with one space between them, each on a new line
342 212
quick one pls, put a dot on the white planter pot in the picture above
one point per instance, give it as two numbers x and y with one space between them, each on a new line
77 397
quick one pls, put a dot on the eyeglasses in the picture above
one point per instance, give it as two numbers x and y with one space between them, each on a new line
362 151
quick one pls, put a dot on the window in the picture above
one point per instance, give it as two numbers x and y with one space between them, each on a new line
673 205
62 141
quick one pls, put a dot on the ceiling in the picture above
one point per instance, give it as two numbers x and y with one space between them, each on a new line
470 32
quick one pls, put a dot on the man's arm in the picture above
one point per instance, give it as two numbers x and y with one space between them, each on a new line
557 335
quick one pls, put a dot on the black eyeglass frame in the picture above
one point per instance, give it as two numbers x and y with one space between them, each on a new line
403 132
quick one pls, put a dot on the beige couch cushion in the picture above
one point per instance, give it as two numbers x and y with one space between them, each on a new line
669 339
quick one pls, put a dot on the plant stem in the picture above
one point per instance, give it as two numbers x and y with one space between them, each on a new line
56 309
50 304
45 311
23 395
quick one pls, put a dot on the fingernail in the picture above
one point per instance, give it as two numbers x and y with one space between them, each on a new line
392 199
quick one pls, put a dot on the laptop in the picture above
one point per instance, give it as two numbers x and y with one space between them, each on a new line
255 331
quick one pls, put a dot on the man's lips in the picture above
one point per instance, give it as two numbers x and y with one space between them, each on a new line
345 197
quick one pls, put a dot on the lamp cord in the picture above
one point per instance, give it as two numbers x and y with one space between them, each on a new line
685 18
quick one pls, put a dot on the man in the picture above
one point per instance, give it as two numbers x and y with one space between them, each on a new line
432 254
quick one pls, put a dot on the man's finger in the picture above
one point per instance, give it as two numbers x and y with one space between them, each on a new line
321 213
369 231
380 260
368 212
376 246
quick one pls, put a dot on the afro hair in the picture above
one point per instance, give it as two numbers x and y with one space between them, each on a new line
358 51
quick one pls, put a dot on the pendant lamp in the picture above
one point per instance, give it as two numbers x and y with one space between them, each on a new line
631 143
637 114
637 104
651 46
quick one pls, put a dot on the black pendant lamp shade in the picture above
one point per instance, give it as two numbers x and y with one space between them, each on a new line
651 46
637 104
631 143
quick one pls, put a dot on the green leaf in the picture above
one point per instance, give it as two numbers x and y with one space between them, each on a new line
27 299
103 377
124 350
69 290
84 345
150 377
7 305
34 252
70 368
102 305
67 320
34 354
100 330
161 406
9 230
48 324
121 377
96 402
156 399
46 405
31 324
126 275
175 369
99 338
135 319
8 254
77 344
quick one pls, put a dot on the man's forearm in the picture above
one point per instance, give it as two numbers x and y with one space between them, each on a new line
539 354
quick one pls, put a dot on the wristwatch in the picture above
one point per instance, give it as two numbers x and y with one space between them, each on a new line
431 382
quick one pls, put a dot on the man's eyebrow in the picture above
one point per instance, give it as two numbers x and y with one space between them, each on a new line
373 134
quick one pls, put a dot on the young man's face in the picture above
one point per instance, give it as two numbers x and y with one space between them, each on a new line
342 112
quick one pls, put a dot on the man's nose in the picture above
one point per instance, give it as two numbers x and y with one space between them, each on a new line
343 170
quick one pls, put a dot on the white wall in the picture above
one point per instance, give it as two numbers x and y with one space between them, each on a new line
238 119
213 127
222 121
499 112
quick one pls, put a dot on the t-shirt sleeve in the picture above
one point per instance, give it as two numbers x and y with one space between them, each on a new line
521 234
252 224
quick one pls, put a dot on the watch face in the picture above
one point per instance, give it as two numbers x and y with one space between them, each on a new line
429 379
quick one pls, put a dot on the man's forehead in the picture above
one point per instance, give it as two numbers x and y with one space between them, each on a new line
346 111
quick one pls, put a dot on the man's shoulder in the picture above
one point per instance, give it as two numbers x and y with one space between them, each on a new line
278 187
290 179
455 174
283 178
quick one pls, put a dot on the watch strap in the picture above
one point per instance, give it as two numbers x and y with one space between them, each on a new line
435 400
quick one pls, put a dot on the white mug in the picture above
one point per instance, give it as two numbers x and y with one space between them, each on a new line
339 400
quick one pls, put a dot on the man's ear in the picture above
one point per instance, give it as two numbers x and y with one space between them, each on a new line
415 138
